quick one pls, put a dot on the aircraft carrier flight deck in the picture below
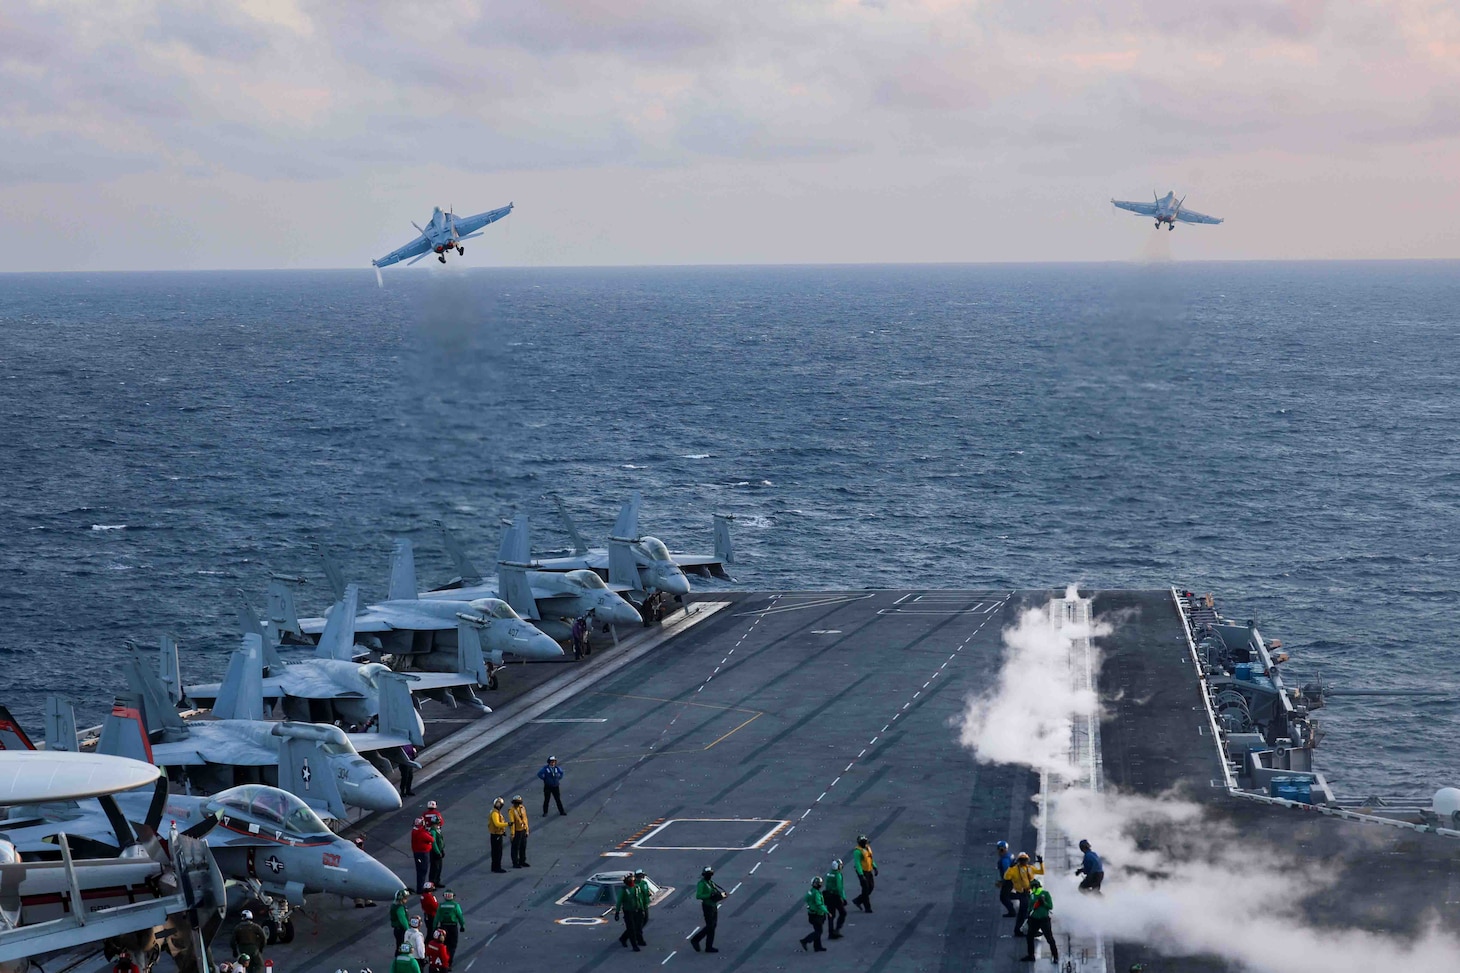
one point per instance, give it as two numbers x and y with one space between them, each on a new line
763 739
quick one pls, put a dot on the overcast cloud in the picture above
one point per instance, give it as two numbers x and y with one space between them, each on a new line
269 133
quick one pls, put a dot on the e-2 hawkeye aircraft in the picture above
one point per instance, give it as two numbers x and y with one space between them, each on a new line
443 233
124 893
259 835
1166 209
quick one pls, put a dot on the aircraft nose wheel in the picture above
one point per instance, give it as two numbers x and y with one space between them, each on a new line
1170 227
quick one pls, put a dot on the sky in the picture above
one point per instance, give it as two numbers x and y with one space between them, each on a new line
141 134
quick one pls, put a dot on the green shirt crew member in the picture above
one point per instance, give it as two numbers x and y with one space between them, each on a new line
708 895
631 906
249 939
1041 905
834 894
815 914
405 962
399 920
449 918
438 855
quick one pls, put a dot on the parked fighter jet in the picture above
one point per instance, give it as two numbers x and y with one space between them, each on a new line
239 744
442 234
132 889
550 600
639 563
426 634
1166 209
333 686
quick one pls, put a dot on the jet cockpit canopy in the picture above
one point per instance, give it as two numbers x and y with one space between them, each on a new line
271 808
655 548
495 608
586 578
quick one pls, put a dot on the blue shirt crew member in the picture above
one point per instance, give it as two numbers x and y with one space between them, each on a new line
1005 886
1092 868
551 776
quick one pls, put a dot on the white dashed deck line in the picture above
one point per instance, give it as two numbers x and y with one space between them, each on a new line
672 954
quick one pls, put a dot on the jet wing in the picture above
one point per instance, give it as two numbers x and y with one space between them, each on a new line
1145 209
306 682
470 224
415 248
369 742
187 755
426 681
376 620
1188 216
204 694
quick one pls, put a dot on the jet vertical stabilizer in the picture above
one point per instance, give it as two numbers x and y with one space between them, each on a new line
627 526
724 550
578 546
333 574
402 572
12 737
467 572
304 767
283 615
241 697
513 560
158 711
123 734
249 625
167 669
60 725
338 639
397 712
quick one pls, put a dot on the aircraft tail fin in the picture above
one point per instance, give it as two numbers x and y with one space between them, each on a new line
627 526
623 567
168 671
332 573
61 725
283 614
12 737
470 658
397 712
512 561
724 550
158 712
250 625
241 696
465 570
123 732
402 571
304 768
338 639
578 546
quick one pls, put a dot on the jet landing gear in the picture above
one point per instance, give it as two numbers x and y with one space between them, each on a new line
441 257
1170 227
460 250
1158 224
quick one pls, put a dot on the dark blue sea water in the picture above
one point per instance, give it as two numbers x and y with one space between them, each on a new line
1282 434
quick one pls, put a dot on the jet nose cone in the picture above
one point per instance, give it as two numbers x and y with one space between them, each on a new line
377 794
618 612
537 645
674 583
368 879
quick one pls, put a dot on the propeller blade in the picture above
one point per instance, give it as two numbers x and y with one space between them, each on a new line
158 805
202 828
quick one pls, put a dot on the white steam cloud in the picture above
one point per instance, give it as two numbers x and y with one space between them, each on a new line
1178 879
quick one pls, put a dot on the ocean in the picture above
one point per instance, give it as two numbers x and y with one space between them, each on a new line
1281 434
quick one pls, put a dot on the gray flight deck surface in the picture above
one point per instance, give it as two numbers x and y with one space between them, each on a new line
762 741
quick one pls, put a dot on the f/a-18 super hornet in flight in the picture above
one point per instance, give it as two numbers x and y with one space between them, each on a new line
638 563
1166 209
442 234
